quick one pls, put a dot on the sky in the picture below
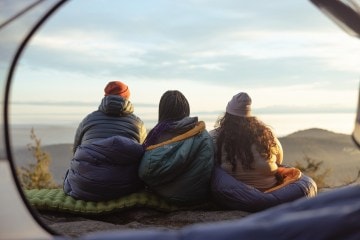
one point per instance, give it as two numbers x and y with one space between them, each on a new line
287 55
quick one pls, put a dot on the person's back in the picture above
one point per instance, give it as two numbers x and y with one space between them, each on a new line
179 158
107 149
114 117
245 147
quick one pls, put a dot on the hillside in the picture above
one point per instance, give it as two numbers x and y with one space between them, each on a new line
337 151
315 133
61 155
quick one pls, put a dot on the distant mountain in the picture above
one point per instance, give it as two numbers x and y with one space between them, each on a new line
317 133
336 151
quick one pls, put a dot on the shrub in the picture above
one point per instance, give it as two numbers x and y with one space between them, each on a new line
37 175
314 169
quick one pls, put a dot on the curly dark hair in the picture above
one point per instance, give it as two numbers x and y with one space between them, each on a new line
237 134
173 106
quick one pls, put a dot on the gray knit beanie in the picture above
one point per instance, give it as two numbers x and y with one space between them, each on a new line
240 105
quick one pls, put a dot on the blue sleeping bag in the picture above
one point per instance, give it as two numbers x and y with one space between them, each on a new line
233 194
104 170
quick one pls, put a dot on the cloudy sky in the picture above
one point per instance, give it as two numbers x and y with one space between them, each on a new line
285 54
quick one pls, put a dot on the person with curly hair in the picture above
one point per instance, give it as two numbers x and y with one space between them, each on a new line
247 148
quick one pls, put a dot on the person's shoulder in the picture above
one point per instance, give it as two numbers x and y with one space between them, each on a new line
134 119
92 115
206 135
214 132
134 116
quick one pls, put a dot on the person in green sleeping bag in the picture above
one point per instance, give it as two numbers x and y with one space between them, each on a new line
179 156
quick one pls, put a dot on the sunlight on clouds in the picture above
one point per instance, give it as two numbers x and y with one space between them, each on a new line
52 85
215 97
334 49
212 66
210 53
309 96
91 46
150 91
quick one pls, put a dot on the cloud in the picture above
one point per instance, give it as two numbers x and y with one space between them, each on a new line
86 48
71 104
257 55
192 39
221 43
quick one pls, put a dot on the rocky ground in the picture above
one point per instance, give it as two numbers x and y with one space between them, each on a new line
76 225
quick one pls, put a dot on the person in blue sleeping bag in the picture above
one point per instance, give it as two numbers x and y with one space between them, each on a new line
107 149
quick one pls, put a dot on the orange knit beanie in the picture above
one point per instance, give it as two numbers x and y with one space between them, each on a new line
117 88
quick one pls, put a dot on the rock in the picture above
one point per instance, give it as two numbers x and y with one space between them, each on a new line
76 225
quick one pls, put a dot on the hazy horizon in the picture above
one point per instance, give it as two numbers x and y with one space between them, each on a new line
54 131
